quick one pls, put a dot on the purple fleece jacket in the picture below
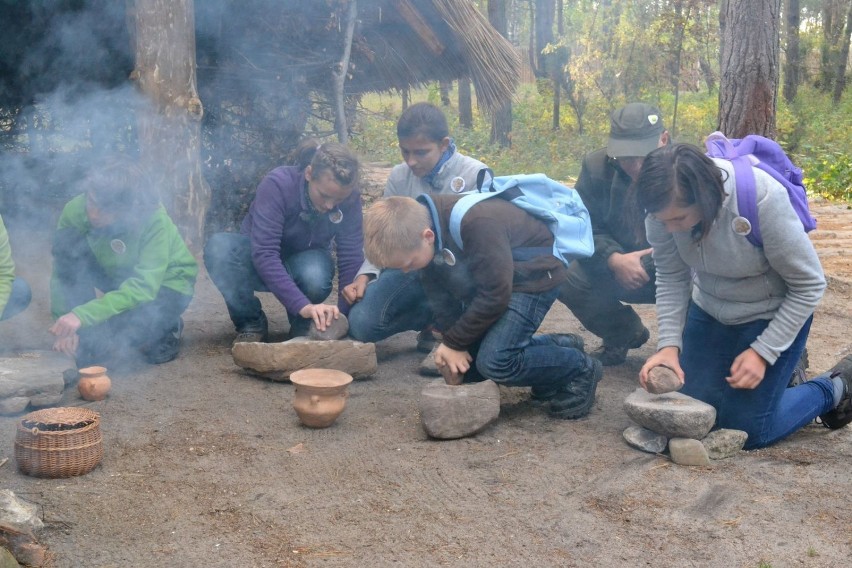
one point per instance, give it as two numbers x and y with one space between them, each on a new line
281 222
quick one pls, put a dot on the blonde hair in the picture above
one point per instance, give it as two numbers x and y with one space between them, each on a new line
394 226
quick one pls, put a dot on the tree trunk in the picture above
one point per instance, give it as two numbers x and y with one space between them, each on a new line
501 121
749 68
793 59
170 135
339 74
840 80
544 12
444 89
465 104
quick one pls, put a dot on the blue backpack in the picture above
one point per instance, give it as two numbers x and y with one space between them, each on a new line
560 208
765 154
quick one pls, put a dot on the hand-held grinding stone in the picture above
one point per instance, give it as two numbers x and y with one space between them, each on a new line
662 380
337 329
451 412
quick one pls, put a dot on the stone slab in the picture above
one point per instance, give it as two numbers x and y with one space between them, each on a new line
34 376
276 361
674 415
450 412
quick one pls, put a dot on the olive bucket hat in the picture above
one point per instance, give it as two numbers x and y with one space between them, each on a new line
634 131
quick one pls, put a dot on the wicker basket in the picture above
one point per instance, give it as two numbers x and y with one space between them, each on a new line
59 442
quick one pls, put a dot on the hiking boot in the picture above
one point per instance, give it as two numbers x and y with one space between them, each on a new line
800 374
610 355
426 340
841 415
167 348
575 399
255 332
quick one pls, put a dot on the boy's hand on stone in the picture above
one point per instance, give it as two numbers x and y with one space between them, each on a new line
355 291
628 270
455 361
66 325
747 370
67 344
667 357
322 314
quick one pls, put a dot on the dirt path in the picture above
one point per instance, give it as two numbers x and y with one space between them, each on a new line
205 466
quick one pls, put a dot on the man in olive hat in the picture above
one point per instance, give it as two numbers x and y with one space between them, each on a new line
621 271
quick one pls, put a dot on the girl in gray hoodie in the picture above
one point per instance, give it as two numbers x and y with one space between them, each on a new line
733 318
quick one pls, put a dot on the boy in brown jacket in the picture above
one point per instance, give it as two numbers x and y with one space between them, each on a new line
489 299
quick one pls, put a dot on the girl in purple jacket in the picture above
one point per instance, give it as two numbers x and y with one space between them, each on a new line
285 243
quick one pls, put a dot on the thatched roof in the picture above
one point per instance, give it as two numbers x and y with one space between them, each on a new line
397 44
407 43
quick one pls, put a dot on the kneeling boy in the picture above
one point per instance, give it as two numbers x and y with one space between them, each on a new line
489 299
117 239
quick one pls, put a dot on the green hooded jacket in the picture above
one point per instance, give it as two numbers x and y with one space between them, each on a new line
138 261
7 267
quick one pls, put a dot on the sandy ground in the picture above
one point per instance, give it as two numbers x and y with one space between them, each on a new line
207 466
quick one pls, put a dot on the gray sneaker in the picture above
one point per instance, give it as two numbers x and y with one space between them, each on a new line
250 337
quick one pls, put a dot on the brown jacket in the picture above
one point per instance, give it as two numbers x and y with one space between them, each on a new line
470 296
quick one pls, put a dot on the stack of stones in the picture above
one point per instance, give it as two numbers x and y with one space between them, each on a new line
31 380
668 418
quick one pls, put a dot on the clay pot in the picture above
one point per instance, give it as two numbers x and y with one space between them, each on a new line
94 383
320 395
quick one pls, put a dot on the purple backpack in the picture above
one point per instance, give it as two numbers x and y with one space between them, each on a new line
765 154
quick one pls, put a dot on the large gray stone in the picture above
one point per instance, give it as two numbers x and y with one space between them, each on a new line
428 367
336 330
457 411
277 360
687 451
674 415
31 379
644 439
18 514
724 443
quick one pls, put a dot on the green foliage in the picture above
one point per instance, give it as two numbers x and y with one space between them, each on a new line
814 132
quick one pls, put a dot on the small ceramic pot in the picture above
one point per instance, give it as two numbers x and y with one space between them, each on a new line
320 395
94 383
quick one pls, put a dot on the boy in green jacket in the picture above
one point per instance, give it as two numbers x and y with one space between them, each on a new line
117 239
15 294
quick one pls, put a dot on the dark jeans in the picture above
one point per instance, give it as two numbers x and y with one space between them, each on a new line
595 298
137 331
767 413
19 299
393 303
227 257
509 354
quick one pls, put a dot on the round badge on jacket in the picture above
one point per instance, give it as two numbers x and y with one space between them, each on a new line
118 246
741 226
457 184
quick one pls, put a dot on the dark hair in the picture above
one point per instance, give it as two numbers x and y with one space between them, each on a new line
121 186
330 156
422 119
683 175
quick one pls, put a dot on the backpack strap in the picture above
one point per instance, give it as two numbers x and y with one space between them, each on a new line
426 200
461 208
719 145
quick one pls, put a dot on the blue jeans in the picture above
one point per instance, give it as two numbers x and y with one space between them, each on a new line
393 303
509 354
767 413
227 257
19 299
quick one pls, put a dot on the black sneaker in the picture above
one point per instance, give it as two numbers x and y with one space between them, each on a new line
610 355
257 332
575 399
167 348
841 415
